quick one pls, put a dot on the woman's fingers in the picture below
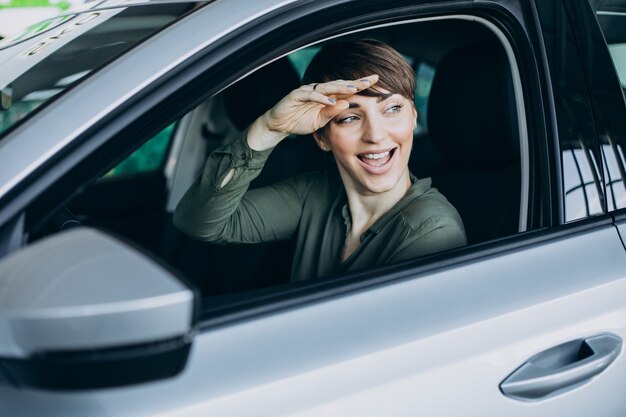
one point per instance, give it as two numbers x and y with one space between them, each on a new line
310 107
364 83
345 87
314 96
327 93
371 80
328 113
336 88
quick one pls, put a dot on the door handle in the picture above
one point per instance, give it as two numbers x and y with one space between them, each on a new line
562 368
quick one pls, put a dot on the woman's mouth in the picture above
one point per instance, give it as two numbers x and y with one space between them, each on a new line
376 162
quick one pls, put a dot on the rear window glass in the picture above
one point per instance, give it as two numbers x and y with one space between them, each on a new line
36 70
612 18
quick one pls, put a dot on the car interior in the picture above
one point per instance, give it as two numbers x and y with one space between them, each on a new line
471 141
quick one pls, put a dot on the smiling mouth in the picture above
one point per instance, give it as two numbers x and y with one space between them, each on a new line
376 159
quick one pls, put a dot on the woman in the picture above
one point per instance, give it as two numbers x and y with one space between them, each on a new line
357 102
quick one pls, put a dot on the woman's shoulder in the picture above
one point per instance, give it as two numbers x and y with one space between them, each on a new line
431 209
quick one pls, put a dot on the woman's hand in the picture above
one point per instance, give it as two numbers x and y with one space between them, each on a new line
304 110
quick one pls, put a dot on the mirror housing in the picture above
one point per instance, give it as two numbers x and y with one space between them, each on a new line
81 310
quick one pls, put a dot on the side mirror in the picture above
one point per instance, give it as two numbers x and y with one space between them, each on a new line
82 310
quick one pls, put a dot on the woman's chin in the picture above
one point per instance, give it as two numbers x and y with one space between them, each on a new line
380 184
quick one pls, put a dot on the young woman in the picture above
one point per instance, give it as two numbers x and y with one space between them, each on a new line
358 104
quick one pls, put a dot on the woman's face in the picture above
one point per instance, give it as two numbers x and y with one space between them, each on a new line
371 142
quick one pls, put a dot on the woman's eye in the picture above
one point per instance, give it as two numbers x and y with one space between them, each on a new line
394 108
347 119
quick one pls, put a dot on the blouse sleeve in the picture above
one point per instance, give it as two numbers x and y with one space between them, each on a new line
232 214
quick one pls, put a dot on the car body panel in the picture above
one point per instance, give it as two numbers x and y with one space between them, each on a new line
444 347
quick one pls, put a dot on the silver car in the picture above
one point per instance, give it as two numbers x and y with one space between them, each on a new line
108 114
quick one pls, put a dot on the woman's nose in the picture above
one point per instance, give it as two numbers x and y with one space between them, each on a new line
374 130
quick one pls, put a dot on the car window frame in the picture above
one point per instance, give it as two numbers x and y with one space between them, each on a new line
558 31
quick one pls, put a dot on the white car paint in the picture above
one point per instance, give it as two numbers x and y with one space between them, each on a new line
435 343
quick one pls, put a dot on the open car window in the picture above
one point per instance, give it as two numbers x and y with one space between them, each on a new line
479 163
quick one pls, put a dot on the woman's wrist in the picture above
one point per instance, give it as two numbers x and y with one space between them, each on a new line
261 137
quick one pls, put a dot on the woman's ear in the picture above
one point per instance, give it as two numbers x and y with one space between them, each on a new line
321 142
415 116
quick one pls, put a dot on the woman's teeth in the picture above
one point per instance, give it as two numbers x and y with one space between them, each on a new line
376 155
376 159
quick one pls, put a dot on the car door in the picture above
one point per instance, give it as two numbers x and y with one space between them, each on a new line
443 335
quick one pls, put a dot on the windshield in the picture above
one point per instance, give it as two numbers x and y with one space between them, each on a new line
36 69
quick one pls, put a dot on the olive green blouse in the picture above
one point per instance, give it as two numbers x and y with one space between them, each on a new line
313 208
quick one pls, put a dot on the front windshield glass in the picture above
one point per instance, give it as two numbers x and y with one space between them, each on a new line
35 70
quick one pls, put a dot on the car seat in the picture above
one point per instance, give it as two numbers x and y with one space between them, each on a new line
472 123
249 98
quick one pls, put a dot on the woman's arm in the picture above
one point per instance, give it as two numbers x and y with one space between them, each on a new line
230 213
218 208
444 237
433 225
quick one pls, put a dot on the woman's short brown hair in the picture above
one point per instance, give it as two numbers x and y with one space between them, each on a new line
353 60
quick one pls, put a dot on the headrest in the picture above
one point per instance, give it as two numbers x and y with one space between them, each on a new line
472 117
249 98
